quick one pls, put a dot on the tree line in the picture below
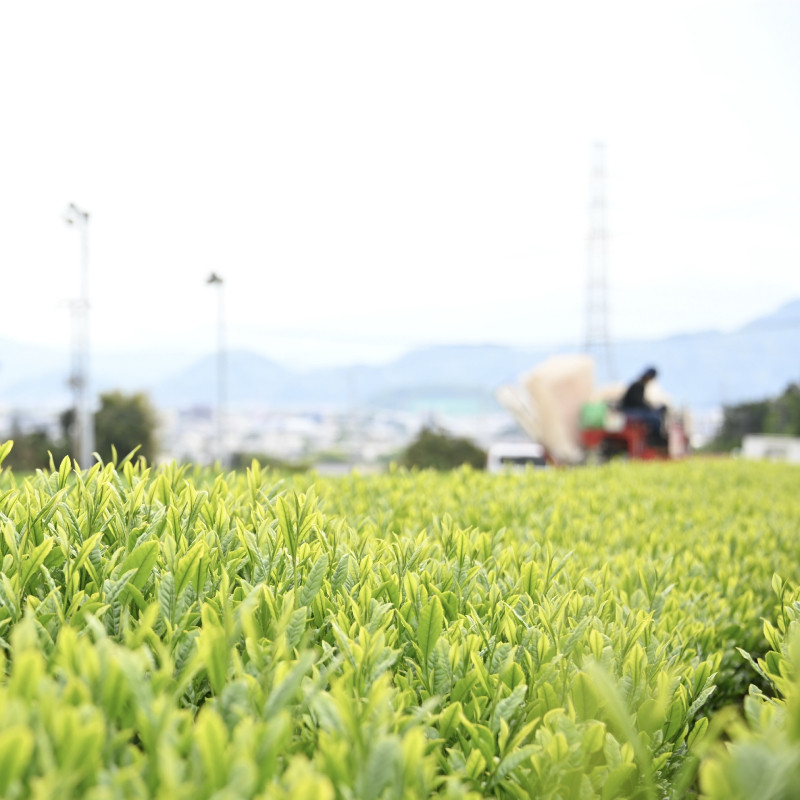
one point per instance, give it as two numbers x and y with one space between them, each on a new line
122 422
776 415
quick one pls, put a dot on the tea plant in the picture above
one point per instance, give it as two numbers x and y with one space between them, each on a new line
177 633
762 755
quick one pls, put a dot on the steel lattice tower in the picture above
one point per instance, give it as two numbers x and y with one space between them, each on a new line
597 341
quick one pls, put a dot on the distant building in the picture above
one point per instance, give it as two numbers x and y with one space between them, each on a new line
772 448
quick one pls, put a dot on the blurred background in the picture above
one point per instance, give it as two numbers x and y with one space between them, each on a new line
309 231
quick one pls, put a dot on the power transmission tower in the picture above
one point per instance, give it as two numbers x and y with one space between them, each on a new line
598 343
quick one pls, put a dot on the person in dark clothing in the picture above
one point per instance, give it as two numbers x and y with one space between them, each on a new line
634 394
635 406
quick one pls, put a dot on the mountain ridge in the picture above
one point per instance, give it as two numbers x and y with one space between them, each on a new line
701 370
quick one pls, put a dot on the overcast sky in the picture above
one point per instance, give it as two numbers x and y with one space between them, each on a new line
371 176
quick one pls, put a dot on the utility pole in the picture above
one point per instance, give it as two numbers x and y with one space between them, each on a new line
83 444
221 453
598 343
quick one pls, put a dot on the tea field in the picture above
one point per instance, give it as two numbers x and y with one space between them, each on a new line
626 631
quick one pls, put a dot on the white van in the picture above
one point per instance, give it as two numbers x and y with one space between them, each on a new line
515 455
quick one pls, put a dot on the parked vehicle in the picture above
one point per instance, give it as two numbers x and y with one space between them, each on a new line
515 455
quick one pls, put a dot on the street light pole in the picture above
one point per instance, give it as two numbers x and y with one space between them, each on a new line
79 380
215 280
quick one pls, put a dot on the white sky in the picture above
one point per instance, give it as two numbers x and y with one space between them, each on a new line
371 176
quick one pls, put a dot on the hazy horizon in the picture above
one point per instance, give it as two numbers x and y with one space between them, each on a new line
380 353
368 178
170 356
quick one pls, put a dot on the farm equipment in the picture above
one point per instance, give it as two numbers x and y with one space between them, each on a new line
558 406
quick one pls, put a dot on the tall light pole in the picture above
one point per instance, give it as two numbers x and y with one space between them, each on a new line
79 379
221 454
598 342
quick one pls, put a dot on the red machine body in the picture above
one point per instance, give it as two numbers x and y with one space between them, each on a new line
631 440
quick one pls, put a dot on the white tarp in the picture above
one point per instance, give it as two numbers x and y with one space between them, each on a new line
547 404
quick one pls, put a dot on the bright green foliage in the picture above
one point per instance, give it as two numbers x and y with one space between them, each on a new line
175 633
763 756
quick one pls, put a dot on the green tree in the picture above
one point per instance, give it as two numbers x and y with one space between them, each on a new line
438 450
32 450
784 412
125 421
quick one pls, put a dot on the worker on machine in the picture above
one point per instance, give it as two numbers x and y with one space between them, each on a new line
635 406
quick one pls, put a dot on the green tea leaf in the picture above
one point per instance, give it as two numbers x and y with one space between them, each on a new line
429 627
141 560
16 749
314 581
5 449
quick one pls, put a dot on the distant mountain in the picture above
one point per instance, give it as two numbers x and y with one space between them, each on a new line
709 369
787 316
38 377
251 379
700 370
